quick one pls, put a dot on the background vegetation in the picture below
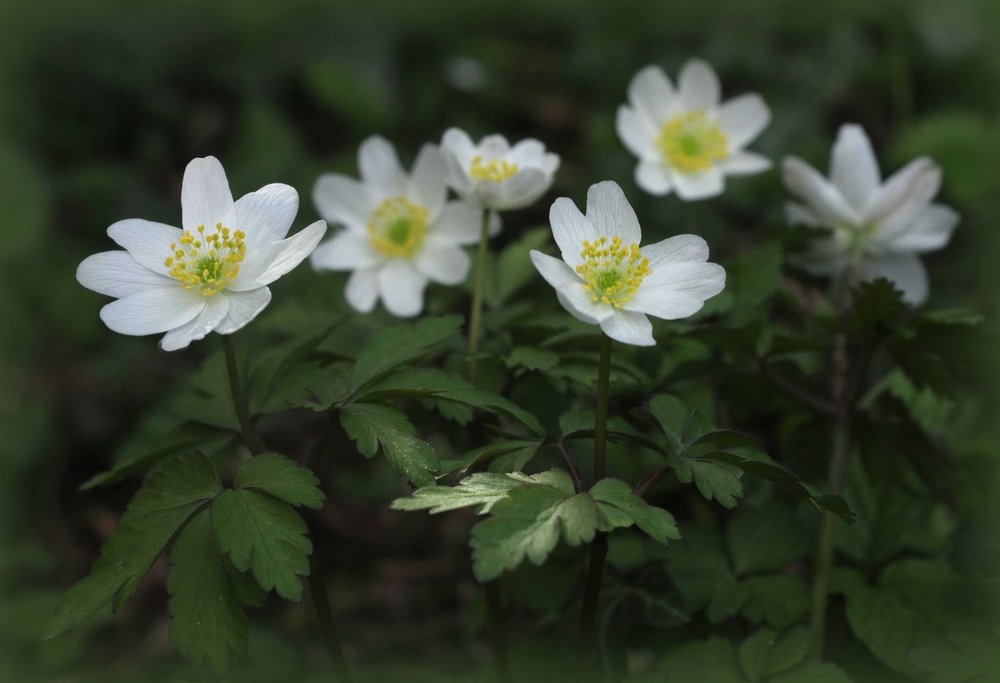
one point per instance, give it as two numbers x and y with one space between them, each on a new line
105 102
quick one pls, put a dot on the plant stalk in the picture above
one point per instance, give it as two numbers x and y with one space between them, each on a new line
327 626
599 547
239 402
476 316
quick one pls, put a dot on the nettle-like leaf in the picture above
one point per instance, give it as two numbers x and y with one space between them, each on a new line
208 622
265 535
618 507
528 523
174 492
431 383
371 424
400 345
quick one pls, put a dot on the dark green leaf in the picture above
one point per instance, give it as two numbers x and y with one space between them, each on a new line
402 344
266 535
531 358
170 496
282 478
520 453
371 424
766 539
718 480
766 652
710 661
780 600
813 672
208 622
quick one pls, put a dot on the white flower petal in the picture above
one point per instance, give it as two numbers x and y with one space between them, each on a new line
905 271
269 263
345 251
569 229
799 214
853 166
653 177
457 175
696 186
205 196
442 262
266 215
380 167
117 274
521 189
822 198
629 327
573 295
528 152
152 310
652 94
676 249
582 317
243 307
493 147
929 230
743 118
460 223
637 134
362 290
147 242
906 193
402 288
610 213
427 181
677 290
344 201
215 310
745 163
698 86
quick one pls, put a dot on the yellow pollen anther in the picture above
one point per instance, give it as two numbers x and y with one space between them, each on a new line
692 142
612 271
495 169
397 227
208 266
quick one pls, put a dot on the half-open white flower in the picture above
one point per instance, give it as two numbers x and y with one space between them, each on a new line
210 276
400 232
605 278
685 140
877 228
495 175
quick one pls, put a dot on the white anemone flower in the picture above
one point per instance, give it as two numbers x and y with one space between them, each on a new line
399 231
212 276
685 139
605 278
495 175
878 228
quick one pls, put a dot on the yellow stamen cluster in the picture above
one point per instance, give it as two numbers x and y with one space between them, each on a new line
495 170
397 228
612 271
692 142
208 263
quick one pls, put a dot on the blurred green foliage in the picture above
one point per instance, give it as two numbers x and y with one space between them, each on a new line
105 102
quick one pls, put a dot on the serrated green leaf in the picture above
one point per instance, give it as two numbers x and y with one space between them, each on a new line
436 384
247 590
776 599
282 478
171 495
715 480
371 424
208 622
813 672
614 498
528 523
767 652
766 539
523 451
316 387
266 535
672 415
401 344
484 489
531 358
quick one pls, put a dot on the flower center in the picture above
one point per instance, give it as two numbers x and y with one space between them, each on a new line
612 272
397 228
691 142
208 263
495 170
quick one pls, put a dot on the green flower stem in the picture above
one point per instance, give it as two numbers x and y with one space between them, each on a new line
328 627
476 316
239 402
599 547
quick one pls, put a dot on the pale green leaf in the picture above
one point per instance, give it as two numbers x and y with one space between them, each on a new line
615 498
